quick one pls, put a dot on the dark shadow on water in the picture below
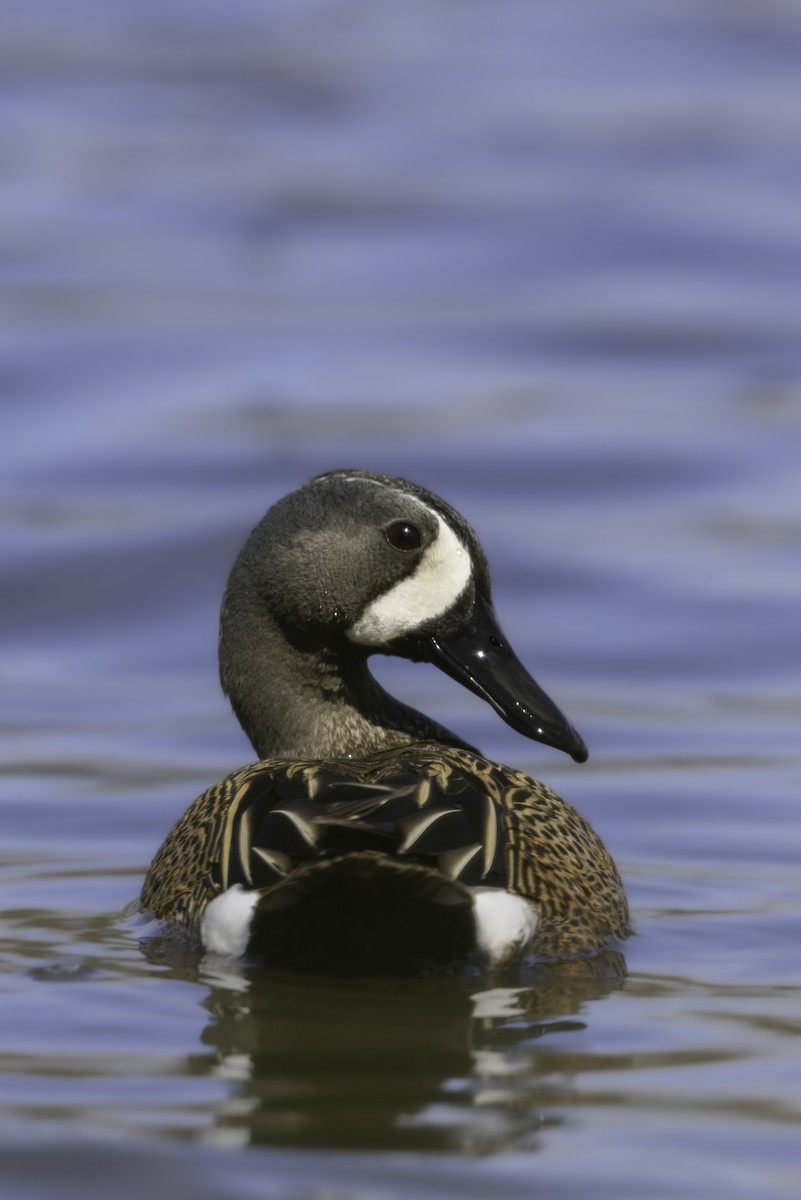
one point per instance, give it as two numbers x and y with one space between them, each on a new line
465 1063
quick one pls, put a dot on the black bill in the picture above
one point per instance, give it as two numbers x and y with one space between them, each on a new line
479 657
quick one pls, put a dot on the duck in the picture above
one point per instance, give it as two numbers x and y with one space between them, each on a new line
368 839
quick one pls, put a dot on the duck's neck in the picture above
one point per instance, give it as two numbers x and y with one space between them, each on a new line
301 702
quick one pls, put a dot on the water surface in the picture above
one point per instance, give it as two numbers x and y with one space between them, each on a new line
545 259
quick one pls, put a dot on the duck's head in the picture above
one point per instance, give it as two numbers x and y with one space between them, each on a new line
355 563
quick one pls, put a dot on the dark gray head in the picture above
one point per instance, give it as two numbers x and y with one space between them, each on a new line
355 563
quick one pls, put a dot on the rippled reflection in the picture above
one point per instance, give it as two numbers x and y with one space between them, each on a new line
450 1062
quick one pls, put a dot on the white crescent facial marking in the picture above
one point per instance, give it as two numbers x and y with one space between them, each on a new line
442 575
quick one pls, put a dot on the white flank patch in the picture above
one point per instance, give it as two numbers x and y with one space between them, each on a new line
441 576
225 927
505 923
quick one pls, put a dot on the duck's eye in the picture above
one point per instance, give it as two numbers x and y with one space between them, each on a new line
403 536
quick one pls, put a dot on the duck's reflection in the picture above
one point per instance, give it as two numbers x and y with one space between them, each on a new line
449 1062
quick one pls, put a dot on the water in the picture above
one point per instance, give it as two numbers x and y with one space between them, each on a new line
545 259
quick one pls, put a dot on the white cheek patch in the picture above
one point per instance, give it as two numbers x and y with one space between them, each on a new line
442 575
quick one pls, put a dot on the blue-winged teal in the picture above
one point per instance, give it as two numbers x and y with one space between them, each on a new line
368 838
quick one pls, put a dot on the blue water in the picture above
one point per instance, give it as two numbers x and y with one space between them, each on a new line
546 260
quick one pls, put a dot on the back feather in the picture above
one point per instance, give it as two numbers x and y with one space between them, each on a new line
403 833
